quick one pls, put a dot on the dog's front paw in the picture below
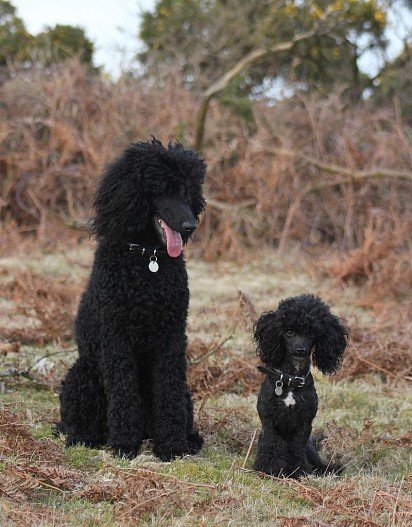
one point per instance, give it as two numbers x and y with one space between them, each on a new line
269 467
83 441
274 471
171 452
300 471
89 443
125 451
195 442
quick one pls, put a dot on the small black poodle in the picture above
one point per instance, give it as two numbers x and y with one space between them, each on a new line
129 382
301 330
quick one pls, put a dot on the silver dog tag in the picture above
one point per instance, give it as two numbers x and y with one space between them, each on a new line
153 266
278 388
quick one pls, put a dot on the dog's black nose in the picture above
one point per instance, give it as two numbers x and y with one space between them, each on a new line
301 351
189 226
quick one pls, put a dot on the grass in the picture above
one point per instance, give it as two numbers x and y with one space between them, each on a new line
366 419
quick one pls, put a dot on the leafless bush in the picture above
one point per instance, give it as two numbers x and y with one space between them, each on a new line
48 303
215 370
58 131
306 169
378 352
313 171
382 262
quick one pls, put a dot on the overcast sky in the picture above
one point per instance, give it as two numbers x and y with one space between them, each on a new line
113 27
111 24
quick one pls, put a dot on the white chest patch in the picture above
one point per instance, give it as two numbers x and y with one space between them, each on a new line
289 400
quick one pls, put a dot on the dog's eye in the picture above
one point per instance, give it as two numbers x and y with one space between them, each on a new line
289 333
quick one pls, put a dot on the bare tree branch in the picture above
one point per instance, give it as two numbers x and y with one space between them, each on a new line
354 175
251 58
351 175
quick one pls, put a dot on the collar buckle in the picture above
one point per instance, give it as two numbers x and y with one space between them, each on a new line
133 246
294 381
301 381
141 250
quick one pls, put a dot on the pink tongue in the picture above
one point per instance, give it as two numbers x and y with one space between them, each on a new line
174 243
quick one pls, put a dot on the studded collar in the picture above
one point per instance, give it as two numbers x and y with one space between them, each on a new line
141 250
282 378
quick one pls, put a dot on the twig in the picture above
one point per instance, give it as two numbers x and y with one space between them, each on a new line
396 503
229 472
230 207
211 352
250 447
372 505
375 366
47 485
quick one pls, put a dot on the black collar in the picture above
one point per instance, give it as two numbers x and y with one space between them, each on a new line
142 250
293 381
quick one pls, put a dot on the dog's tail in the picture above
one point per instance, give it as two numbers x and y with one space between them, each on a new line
313 448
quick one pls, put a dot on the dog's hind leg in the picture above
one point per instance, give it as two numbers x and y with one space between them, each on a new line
320 467
83 406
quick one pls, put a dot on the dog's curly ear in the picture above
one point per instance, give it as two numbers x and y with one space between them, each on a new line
119 203
267 335
198 202
330 345
197 177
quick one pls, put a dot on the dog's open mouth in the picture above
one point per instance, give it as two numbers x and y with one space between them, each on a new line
169 237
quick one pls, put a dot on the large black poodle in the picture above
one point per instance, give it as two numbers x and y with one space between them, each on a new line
129 382
300 331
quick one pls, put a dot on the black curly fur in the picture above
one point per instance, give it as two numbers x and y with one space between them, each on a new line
129 382
285 447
